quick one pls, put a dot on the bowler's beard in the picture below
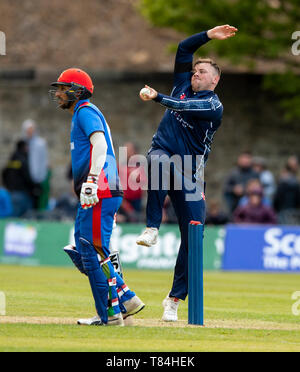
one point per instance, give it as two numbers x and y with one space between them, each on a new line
197 86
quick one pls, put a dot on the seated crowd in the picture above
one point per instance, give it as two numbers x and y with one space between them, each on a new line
251 193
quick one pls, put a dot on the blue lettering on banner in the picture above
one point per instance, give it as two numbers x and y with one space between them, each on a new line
267 248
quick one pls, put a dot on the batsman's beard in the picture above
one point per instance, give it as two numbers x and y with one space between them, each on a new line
63 103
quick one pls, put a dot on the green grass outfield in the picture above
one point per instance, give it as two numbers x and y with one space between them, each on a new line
243 312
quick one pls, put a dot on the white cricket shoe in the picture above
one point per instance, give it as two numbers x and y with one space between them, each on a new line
148 237
133 306
170 305
116 320
91 321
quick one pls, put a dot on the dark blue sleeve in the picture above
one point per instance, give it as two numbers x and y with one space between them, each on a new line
89 121
185 53
206 109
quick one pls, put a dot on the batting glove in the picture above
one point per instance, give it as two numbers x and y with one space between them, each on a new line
88 194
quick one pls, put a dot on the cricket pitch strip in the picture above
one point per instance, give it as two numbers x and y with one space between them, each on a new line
217 323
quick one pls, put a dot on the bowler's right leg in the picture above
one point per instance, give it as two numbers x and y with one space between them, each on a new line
158 186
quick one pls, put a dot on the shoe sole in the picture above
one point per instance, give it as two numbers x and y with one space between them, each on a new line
165 320
135 311
112 324
98 323
140 242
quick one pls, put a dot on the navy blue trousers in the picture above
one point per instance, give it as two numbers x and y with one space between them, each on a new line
164 176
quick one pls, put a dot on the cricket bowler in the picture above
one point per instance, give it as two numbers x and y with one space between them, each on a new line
96 183
193 115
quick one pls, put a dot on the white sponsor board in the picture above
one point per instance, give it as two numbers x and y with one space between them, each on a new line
19 239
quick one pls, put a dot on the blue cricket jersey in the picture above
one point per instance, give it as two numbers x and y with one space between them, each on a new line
87 119
192 118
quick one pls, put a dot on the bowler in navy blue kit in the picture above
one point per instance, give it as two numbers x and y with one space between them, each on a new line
193 115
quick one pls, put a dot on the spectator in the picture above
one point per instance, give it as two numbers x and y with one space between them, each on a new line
235 184
66 205
17 180
292 165
38 164
215 216
253 184
266 178
287 195
132 199
6 208
255 211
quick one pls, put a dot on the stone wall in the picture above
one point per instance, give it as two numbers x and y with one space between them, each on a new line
252 120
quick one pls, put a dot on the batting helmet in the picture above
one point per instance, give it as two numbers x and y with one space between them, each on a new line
78 80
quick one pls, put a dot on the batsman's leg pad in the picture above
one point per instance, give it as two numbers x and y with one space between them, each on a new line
108 270
123 295
75 257
124 292
119 278
115 260
120 289
98 280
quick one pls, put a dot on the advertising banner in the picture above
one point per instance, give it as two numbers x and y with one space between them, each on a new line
262 248
163 255
40 243
34 243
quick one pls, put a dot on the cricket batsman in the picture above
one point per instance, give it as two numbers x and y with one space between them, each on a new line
193 115
96 183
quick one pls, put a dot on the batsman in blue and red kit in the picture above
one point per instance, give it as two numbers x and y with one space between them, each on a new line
93 226
193 115
100 195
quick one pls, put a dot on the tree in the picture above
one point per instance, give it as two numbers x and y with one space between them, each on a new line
265 33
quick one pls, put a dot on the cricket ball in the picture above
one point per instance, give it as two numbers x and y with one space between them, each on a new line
145 92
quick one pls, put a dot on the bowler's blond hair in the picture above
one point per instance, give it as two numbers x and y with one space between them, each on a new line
209 61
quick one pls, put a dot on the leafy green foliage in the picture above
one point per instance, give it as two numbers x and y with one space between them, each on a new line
287 87
265 29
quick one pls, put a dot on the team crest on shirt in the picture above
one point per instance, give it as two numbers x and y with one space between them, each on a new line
182 96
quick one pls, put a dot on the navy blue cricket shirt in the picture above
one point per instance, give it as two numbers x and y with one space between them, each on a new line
191 118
